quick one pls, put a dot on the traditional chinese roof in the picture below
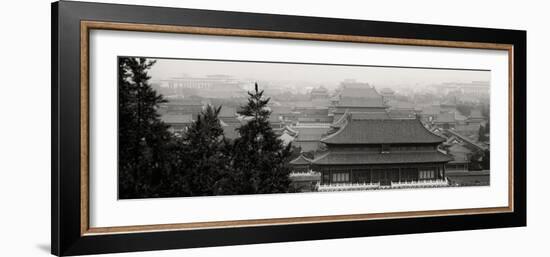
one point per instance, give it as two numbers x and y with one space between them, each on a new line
369 115
361 102
401 114
452 140
360 116
398 104
310 133
301 160
382 131
469 142
361 158
459 153
286 138
289 130
360 96
358 90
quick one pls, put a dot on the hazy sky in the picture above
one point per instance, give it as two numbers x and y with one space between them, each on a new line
322 74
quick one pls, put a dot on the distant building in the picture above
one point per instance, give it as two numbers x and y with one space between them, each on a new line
286 138
476 117
470 178
445 120
358 97
480 88
319 93
312 115
468 142
401 109
384 151
211 86
461 157
387 93
472 92
429 113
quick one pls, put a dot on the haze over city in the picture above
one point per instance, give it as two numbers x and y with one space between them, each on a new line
329 76
397 127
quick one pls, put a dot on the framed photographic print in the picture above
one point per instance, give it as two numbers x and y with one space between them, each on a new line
178 128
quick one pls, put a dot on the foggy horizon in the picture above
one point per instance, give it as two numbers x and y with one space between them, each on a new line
320 74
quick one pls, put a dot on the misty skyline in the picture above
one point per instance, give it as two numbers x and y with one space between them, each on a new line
322 74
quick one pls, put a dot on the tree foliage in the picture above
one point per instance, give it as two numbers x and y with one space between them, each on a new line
202 157
260 160
143 137
153 163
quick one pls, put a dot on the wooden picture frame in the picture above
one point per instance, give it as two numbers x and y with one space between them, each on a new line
71 25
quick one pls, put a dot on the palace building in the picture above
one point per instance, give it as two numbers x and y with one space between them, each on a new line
371 150
358 97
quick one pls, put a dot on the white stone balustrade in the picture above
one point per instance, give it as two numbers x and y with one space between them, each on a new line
373 186
308 173
348 187
421 183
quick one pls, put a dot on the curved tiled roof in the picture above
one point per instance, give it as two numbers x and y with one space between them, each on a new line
360 96
301 160
359 90
361 102
310 133
343 158
382 131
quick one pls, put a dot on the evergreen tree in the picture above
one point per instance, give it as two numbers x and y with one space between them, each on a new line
143 137
260 161
203 161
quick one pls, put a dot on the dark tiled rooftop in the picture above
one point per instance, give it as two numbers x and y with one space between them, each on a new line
382 131
342 158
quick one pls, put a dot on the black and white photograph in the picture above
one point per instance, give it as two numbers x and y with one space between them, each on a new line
204 127
274 128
